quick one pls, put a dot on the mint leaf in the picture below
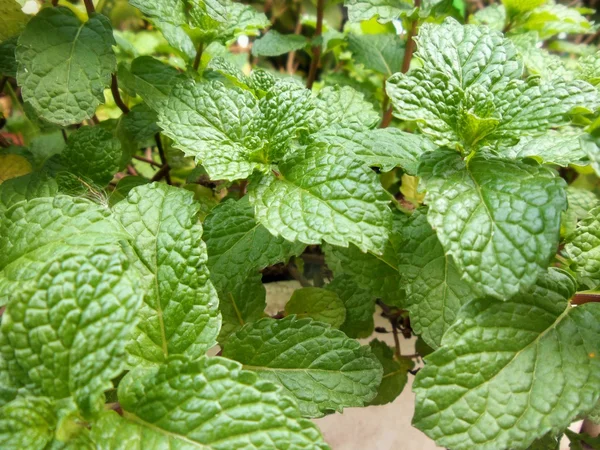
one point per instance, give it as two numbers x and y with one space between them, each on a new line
212 123
469 89
238 247
65 65
8 63
395 373
434 288
12 166
319 304
359 304
27 422
151 79
583 248
93 153
275 44
26 187
332 371
344 107
382 53
68 327
377 274
498 220
382 147
12 19
530 379
517 7
209 403
139 126
553 148
310 204
552 19
180 311
384 10
581 202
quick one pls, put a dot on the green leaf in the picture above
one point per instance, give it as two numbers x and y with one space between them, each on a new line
151 79
68 327
576 439
43 227
93 153
26 187
12 19
552 19
27 423
583 248
493 16
527 376
386 148
210 404
13 165
518 7
382 53
581 202
499 220
275 44
238 247
469 89
309 203
330 373
320 304
8 63
212 123
384 10
65 65
434 289
359 304
344 107
140 126
180 314
395 373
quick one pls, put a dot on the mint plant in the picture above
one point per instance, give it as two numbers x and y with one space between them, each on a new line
161 162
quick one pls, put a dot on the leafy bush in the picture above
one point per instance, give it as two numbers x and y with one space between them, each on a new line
156 169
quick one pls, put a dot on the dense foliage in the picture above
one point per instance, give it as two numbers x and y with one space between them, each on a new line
160 160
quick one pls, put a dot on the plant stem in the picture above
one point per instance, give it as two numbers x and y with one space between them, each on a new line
198 56
290 66
146 160
114 88
162 172
89 6
3 142
316 50
64 134
581 298
163 159
408 54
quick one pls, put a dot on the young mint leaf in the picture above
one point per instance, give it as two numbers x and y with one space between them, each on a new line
384 10
209 403
330 373
287 109
12 19
552 19
320 304
530 379
382 53
68 327
275 44
395 373
180 311
65 65
169 16
26 187
359 304
381 147
517 7
469 89
499 220
492 16
92 153
344 107
588 69
583 248
27 423
213 123
378 274
434 288
320 195
242 19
